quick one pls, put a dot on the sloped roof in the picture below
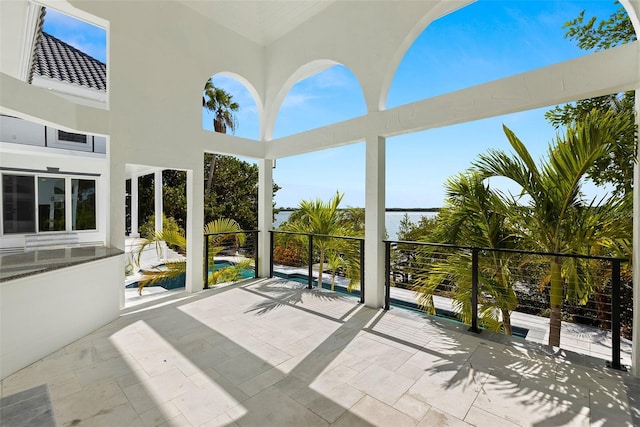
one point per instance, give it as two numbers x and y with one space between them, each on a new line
57 60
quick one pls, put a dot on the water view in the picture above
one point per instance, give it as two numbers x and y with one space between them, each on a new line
392 220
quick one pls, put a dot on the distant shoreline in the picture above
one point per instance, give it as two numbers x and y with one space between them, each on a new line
412 209
386 210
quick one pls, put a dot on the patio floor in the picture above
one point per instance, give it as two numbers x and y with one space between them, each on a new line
272 353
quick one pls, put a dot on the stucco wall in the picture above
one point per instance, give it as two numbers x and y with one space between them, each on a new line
16 156
42 313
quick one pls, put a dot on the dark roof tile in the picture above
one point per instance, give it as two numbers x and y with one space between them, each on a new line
57 60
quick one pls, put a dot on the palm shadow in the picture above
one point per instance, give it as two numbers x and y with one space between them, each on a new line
281 292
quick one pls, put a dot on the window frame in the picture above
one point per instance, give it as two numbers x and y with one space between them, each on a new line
68 202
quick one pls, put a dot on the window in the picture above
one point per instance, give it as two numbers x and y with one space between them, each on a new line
63 204
71 137
51 204
83 204
18 204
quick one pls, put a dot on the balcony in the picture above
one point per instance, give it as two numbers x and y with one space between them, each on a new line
271 352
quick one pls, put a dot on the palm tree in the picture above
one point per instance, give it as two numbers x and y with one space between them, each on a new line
221 104
473 215
557 218
354 218
335 262
225 230
318 217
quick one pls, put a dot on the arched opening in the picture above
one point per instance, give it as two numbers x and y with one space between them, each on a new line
321 99
238 102
487 41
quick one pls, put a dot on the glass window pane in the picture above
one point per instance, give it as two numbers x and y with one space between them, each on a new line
83 204
51 204
18 204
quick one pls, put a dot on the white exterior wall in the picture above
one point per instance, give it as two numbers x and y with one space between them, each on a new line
25 132
39 159
43 313
21 131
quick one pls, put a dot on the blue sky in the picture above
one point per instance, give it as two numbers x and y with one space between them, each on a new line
487 40
88 38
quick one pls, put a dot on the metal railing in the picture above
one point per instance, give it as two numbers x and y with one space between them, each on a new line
296 258
464 274
226 245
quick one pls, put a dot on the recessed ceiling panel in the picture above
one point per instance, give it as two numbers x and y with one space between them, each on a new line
260 21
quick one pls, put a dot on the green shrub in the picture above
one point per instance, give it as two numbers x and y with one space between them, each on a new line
169 224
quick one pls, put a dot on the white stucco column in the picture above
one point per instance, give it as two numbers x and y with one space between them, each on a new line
158 208
635 349
134 207
265 214
195 226
374 221
114 187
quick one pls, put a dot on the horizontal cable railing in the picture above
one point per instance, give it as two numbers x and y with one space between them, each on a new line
343 257
230 256
586 299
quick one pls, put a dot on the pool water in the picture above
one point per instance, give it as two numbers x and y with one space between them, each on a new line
245 273
178 282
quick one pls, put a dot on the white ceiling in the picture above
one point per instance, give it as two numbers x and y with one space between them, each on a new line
261 21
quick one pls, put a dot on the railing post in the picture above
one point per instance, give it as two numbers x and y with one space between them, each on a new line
310 260
387 273
362 271
615 315
206 261
270 253
474 291
255 254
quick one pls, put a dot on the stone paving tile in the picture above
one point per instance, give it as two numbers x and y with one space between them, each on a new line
200 405
223 420
452 391
378 353
412 407
90 402
330 404
261 381
271 353
531 403
121 415
290 384
481 418
28 408
273 408
33 376
242 368
437 418
371 412
382 384
332 377
160 414
179 421
610 406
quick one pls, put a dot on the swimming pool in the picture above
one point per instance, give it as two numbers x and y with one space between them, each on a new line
178 282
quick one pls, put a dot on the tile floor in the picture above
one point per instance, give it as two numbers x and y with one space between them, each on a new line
271 353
